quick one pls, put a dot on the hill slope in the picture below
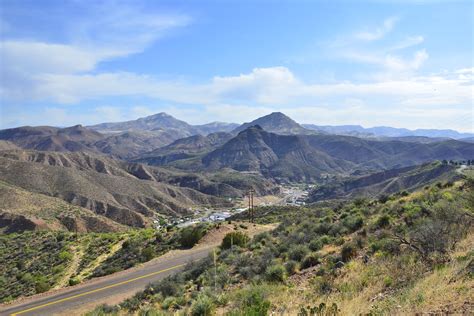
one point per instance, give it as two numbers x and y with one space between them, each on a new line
385 182
102 186
21 210
74 138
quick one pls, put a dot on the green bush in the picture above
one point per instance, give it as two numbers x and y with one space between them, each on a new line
298 253
148 253
73 281
234 239
65 255
383 221
310 260
251 302
41 286
353 223
291 267
348 252
202 306
190 236
275 273
315 244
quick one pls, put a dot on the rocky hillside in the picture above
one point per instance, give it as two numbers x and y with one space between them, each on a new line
382 184
278 156
102 187
22 210
75 138
306 158
184 148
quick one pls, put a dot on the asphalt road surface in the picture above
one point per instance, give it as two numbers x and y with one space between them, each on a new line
124 284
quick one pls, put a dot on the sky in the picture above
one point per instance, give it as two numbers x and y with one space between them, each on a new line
372 63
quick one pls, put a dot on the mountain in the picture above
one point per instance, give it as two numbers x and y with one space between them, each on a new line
278 156
216 127
385 182
74 138
121 145
275 122
126 194
132 143
149 123
385 131
164 122
184 148
310 157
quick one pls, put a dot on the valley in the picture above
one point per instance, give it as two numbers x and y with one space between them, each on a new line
81 203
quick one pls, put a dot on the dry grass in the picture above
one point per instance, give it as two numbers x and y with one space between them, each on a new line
361 288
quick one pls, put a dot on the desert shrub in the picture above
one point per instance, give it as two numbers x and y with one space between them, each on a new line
291 267
437 234
353 223
251 302
321 284
319 310
147 254
73 281
348 252
103 310
190 236
234 238
315 244
275 273
387 281
65 255
150 311
202 306
131 304
383 221
169 303
386 245
167 287
298 253
411 212
41 285
310 260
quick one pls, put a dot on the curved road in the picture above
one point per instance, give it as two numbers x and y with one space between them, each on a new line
111 289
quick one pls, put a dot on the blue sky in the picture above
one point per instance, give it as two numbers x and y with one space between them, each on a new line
397 63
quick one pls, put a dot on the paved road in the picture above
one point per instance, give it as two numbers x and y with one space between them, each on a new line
122 284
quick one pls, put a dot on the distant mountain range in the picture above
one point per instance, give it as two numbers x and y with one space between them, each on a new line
275 122
114 175
310 157
384 131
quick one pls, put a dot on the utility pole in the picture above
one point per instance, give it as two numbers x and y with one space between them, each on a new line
251 209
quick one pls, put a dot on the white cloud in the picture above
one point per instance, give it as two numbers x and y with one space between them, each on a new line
408 42
29 67
379 32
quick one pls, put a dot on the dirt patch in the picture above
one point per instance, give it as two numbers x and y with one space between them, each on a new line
216 235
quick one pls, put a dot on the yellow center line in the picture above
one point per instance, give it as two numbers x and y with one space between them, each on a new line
96 290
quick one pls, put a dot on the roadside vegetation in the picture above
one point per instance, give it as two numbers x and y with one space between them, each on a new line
400 254
35 262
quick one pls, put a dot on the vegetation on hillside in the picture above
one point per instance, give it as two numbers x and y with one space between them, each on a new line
34 262
405 253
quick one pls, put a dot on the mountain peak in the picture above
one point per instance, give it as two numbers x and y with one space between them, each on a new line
275 122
